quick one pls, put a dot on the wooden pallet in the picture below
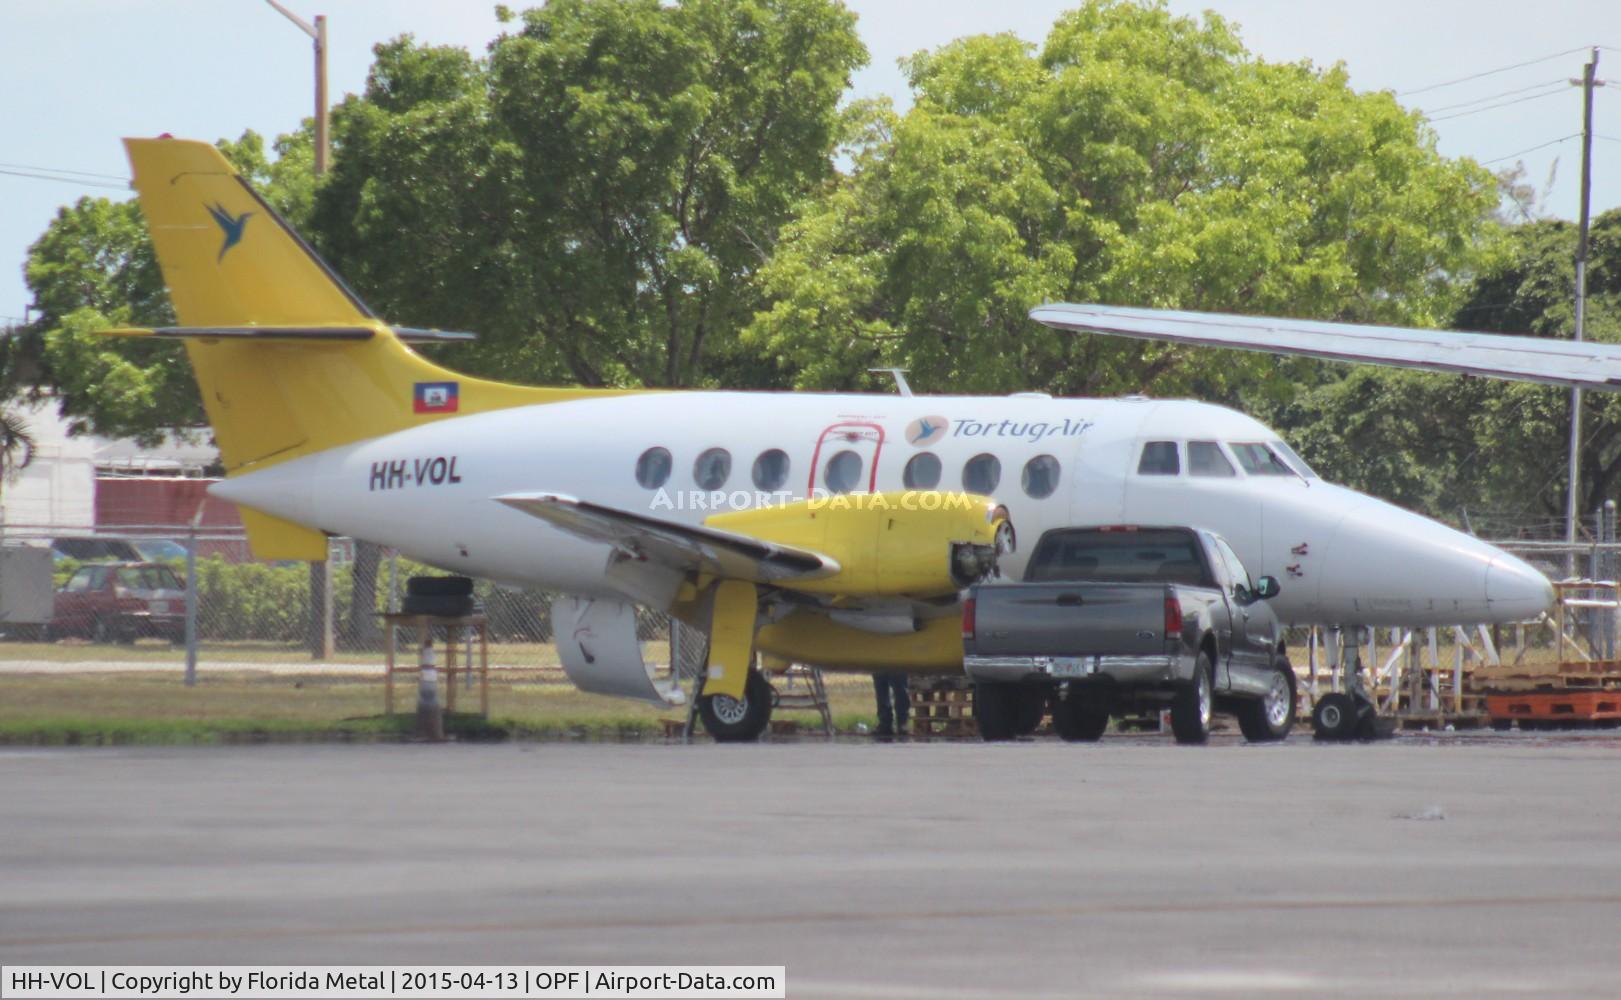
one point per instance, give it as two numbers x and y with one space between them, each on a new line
1494 683
943 711
1547 706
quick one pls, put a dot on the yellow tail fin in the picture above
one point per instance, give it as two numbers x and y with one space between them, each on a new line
329 372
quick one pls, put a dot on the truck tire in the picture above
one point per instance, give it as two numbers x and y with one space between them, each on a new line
1269 718
738 720
1191 706
996 710
1079 719
1032 709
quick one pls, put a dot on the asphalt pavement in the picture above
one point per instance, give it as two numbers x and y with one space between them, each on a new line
1455 865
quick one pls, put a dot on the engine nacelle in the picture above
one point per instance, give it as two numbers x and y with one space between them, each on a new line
917 543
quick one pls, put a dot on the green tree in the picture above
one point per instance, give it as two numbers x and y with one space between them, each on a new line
595 197
1141 158
1494 451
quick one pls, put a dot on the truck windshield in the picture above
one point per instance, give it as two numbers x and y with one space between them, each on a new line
1145 555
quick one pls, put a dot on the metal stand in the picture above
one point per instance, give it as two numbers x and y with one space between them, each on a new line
459 637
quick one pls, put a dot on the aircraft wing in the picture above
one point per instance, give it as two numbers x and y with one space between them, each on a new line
676 546
1585 364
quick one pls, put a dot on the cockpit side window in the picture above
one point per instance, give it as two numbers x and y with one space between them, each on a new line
1159 459
1205 459
1259 460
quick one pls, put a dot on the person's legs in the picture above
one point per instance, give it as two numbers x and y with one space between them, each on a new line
886 717
901 698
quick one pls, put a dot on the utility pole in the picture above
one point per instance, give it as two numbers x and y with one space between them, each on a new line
1572 501
316 31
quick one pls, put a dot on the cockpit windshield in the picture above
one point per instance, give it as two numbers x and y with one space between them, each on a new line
1260 460
1294 459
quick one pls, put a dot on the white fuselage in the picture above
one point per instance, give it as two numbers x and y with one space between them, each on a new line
1342 557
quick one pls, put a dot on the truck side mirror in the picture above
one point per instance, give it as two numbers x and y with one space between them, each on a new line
1266 588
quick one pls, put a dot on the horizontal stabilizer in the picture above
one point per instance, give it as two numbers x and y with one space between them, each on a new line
409 335
685 547
1586 364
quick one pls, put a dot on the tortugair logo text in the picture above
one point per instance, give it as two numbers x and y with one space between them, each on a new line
925 432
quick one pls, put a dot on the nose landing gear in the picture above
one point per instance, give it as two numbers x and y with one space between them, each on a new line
1342 716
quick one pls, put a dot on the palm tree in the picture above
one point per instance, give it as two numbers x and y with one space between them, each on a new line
16 446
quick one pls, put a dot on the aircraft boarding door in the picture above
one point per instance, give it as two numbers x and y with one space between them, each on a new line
846 459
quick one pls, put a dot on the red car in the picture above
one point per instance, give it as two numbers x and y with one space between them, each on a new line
122 602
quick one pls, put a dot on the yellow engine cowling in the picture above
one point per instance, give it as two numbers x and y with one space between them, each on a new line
918 543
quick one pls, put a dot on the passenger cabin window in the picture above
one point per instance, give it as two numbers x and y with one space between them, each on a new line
981 474
1205 459
1259 460
771 469
1147 555
922 472
653 468
842 473
1040 477
712 469
1159 459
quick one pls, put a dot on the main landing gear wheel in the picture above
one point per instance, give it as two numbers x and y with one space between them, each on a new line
1191 707
738 720
1269 718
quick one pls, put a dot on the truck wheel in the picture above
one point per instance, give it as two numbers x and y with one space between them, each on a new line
1080 720
1032 709
738 720
996 710
1270 717
1190 708
1334 717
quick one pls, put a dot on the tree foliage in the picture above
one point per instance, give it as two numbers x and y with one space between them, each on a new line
1138 157
1496 451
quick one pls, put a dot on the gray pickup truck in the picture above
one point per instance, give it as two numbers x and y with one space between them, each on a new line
1111 620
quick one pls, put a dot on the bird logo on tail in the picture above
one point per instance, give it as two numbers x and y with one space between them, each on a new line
231 226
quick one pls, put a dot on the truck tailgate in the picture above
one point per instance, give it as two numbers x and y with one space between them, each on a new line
1069 619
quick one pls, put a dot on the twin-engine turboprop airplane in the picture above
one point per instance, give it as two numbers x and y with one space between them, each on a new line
837 530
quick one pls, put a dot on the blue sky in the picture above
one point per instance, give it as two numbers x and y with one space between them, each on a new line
79 74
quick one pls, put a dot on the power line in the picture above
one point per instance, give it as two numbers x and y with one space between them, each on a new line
1490 72
65 180
1450 107
58 170
1562 88
1532 149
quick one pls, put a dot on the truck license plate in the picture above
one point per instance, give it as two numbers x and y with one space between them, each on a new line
1071 666
160 607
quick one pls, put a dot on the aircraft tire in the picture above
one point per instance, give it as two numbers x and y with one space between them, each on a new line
1079 719
996 710
1193 703
1265 720
738 720
1335 717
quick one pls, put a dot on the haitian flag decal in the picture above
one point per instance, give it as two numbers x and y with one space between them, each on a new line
436 397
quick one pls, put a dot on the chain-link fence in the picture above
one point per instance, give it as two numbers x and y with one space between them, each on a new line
125 596
95 595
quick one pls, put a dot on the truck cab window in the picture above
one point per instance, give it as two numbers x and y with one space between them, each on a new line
1159 459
